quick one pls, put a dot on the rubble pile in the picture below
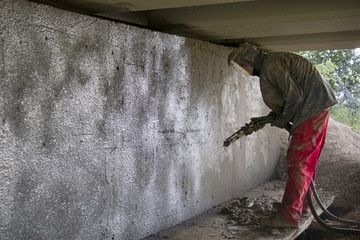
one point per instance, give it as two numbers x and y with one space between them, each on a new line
247 212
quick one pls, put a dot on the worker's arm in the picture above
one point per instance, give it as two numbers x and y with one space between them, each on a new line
287 89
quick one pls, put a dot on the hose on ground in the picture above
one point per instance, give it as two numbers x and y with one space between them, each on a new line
329 215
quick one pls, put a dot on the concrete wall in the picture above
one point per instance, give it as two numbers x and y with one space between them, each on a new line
108 131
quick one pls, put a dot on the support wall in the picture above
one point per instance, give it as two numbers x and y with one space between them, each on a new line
108 130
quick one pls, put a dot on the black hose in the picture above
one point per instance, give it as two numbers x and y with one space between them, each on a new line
319 220
327 213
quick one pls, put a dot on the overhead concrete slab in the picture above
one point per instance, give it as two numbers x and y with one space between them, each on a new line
278 25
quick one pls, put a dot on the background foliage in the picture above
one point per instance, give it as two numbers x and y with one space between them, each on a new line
341 69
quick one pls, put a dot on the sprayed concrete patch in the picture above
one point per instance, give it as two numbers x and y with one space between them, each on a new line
112 131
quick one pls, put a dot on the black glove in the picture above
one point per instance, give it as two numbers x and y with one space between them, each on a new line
280 122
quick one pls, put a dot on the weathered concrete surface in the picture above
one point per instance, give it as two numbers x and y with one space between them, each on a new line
111 131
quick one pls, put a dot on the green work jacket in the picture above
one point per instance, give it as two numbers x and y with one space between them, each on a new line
292 87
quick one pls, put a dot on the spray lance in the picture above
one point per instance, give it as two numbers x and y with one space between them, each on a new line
254 125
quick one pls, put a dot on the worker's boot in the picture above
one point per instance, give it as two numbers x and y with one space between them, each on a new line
277 205
277 221
305 212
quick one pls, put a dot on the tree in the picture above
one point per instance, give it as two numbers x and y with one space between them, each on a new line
341 69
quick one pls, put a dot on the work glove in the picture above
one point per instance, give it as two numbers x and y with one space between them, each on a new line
259 122
280 122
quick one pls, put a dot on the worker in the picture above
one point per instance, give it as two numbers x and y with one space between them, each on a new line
296 92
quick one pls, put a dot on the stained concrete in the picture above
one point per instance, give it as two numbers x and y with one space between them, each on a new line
109 131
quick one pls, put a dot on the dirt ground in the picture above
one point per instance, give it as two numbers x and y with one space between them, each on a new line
338 174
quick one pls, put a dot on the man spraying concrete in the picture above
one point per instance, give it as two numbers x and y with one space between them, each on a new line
300 98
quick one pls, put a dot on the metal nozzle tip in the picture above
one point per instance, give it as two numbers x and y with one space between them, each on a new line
227 143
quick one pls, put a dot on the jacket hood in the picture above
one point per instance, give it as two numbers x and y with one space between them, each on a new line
249 54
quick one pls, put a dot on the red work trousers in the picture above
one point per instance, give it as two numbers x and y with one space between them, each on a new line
306 144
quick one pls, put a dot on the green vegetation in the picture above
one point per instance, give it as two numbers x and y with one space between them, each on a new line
341 69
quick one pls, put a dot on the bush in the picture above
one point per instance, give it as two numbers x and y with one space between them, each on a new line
347 116
341 69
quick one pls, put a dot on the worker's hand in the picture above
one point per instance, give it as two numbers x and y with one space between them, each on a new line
258 126
280 122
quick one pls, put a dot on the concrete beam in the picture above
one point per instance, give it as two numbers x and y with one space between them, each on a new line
231 21
144 5
258 11
140 5
318 41
256 21
119 12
